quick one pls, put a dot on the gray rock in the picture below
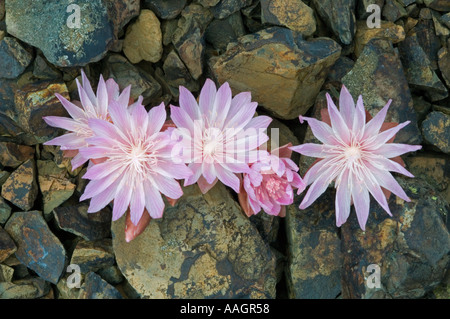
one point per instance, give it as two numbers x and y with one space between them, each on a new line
436 130
165 9
203 247
95 287
177 74
37 247
362 5
5 211
15 58
93 255
227 7
24 289
222 32
393 10
7 245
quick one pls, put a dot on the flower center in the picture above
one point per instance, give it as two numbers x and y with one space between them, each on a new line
273 185
212 140
352 153
140 158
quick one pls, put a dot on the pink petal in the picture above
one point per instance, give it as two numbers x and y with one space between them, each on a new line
181 118
242 117
101 200
124 97
62 122
221 106
87 87
106 129
156 117
386 180
70 141
102 97
209 172
132 231
86 102
189 104
196 169
119 116
239 101
153 200
312 150
359 121
347 106
390 165
337 122
204 185
343 196
393 149
102 170
112 89
77 161
377 193
137 203
361 200
321 130
259 122
317 188
373 127
95 152
168 186
206 98
385 136
122 199
227 178
74 111
95 187
139 120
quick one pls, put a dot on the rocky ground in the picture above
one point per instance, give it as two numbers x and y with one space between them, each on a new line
288 54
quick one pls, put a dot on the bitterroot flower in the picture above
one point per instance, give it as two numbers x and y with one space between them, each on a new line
93 106
219 134
270 184
355 155
136 162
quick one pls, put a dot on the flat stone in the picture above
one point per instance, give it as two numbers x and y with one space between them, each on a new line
434 169
37 247
93 255
13 155
378 76
393 11
313 270
15 58
165 9
436 130
6 273
227 7
54 186
5 211
339 15
177 74
388 30
208 3
295 15
21 188
284 73
441 29
125 73
143 40
438 5
2 9
342 66
7 245
445 19
36 100
428 40
411 248
95 287
418 70
66 43
76 220
111 274
222 32
422 107
204 247
444 64
31 288
45 71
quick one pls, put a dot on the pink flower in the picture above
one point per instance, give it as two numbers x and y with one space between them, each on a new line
137 165
93 106
219 134
356 156
269 184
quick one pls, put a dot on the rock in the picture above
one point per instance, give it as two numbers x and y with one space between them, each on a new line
165 9
111 274
438 5
15 58
24 289
2 9
168 28
95 287
278 68
428 40
295 15
445 19
78 36
36 100
55 188
208 3
7 245
222 32
392 11
227 7
6 273
362 5
20 188
342 66
143 40
388 30
434 169
188 38
65 291
411 248
339 15
45 71
422 108
378 76
37 247
441 30
4 176
444 64
204 247
5 211
313 269
177 74
76 220
436 130
125 73
13 155
93 255
418 70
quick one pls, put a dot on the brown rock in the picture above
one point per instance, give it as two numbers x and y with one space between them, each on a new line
15 57
36 100
6 273
283 73
444 64
203 247
93 255
37 247
7 245
29 288
143 40
12 155
55 188
436 130
20 188
388 30
295 15
95 287
438 5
